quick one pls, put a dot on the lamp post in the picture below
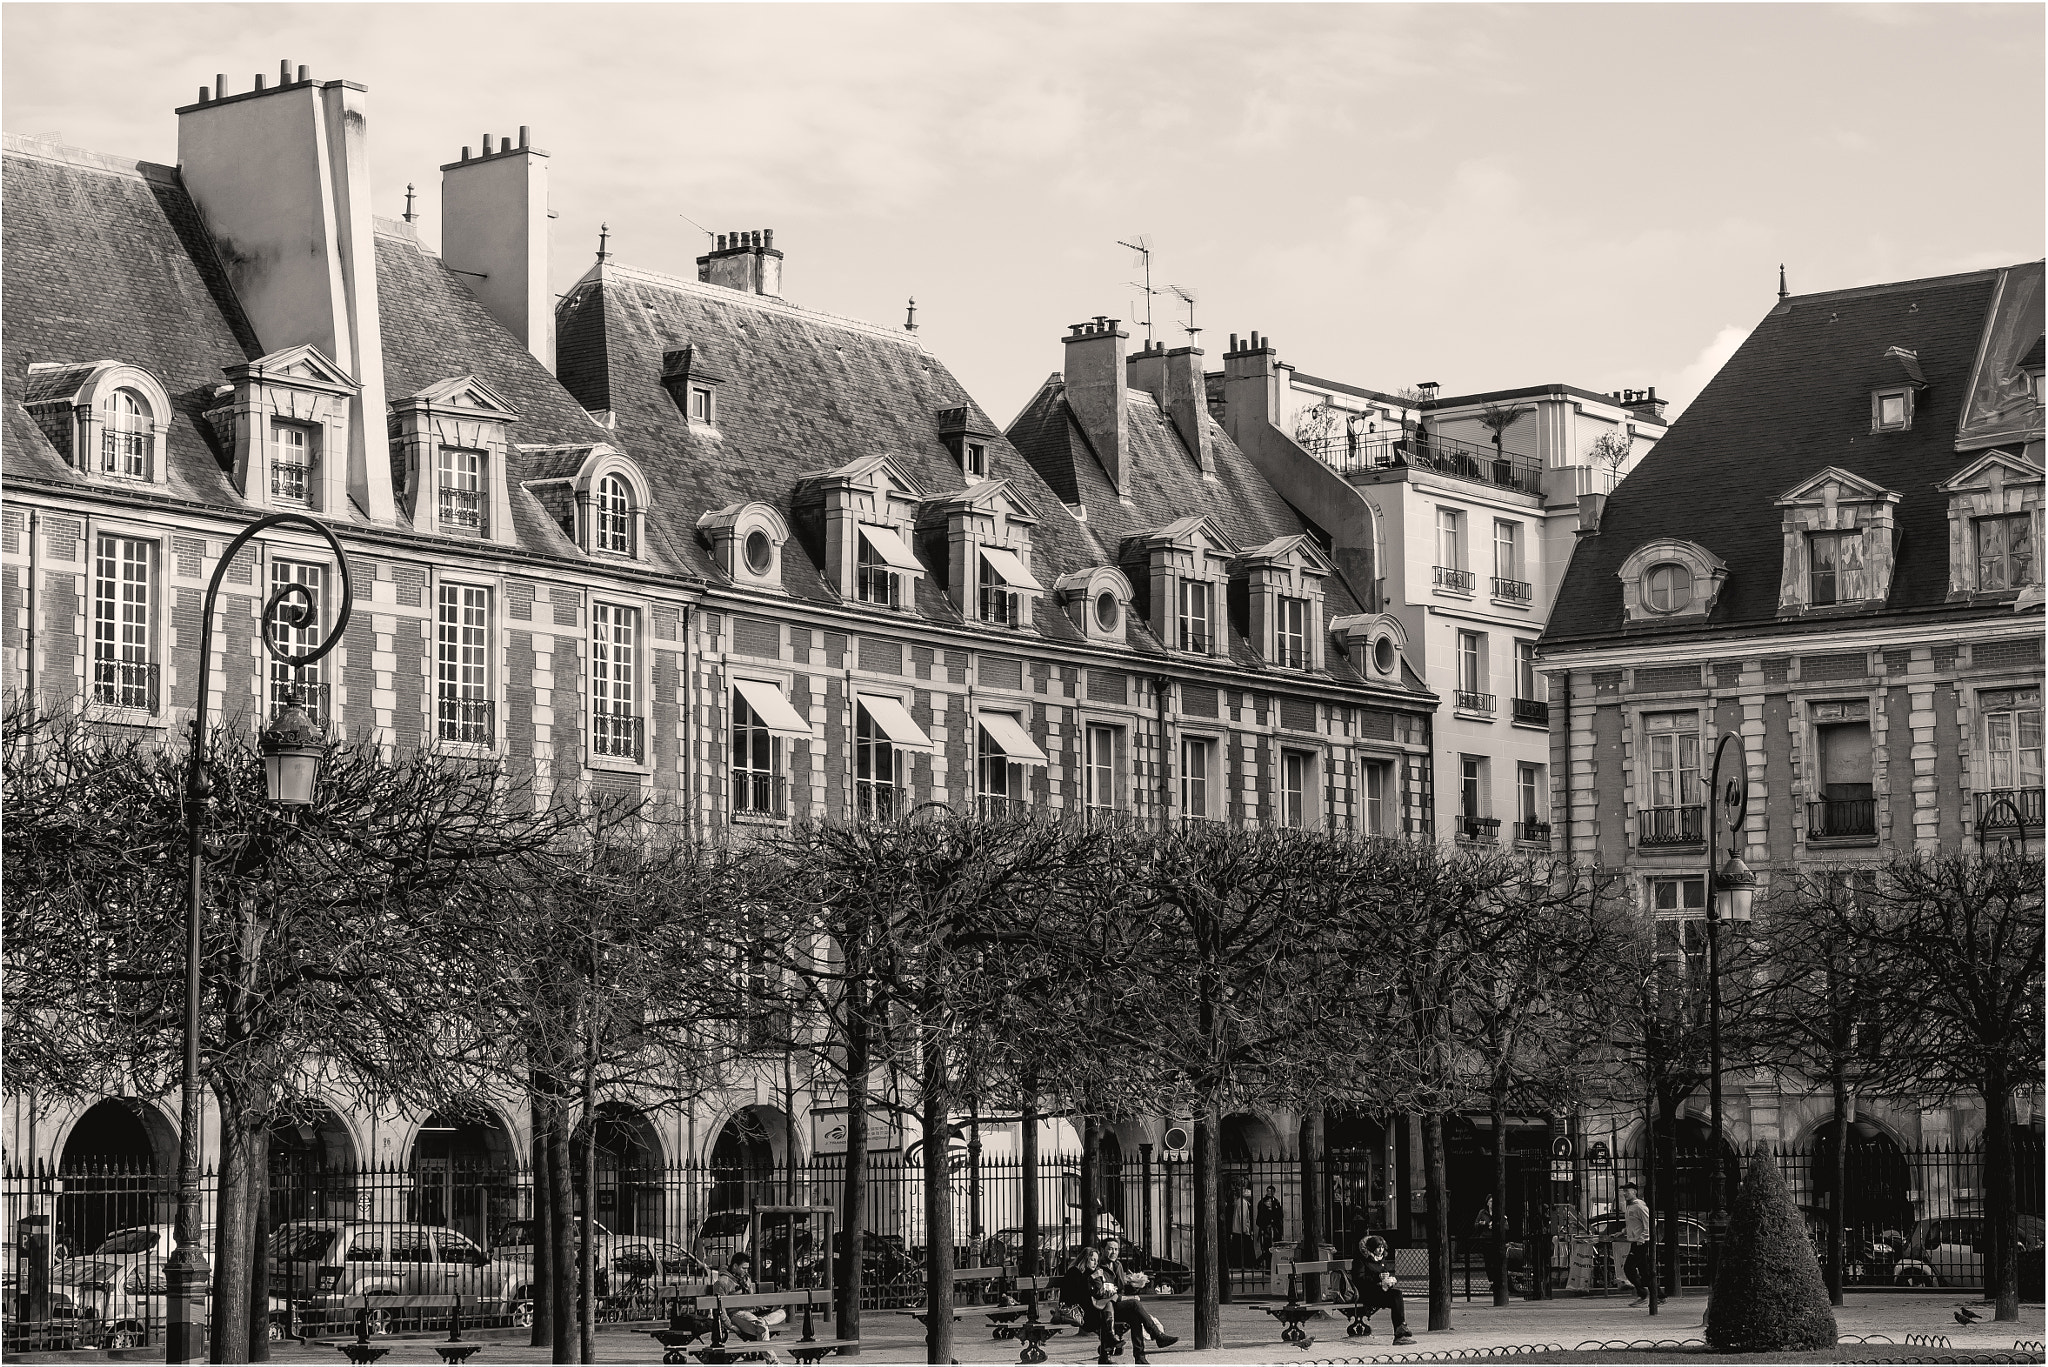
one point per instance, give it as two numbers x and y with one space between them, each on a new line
1730 890
292 747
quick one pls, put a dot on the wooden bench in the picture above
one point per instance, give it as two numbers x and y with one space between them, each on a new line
976 1278
359 1350
699 1317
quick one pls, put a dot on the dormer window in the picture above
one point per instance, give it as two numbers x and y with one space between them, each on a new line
975 461
1836 568
882 562
700 404
1669 579
986 552
1197 616
1891 410
1002 574
450 457
2005 552
291 463
105 418
1097 600
746 541
1994 520
125 435
1283 582
1291 630
460 493
1108 612
1839 534
1668 587
614 531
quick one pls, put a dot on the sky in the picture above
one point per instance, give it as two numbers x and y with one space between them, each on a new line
1484 196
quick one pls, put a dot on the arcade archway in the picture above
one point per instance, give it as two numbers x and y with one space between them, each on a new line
750 1147
465 1173
117 1168
313 1167
629 1170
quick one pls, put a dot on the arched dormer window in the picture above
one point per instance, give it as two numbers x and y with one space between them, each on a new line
125 431
746 542
594 493
1670 580
106 418
614 516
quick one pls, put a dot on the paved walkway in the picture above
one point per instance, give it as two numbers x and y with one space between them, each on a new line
1252 1336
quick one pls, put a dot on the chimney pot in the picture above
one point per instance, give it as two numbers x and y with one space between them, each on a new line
302 73
259 80
768 238
522 136
1076 328
465 154
1233 341
1653 393
487 144
202 94
504 144
220 87
284 72
721 243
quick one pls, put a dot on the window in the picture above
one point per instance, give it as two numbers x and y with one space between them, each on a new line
304 680
2005 552
1194 616
760 552
1507 551
878 771
1107 613
1297 788
1450 538
614 516
1379 788
1101 765
1383 655
457 1249
1197 770
1001 778
122 673
2012 738
1668 588
873 579
1473 675
291 463
1837 567
461 664
126 434
974 459
1532 805
1528 679
700 404
1291 643
1846 805
1681 910
1674 745
756 761
999 602
616 731
1891 410
462 492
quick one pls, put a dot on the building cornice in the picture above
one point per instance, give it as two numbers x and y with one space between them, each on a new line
1696 648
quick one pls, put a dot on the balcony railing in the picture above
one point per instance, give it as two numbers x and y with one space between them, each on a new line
1475 702
125 683
1458 581
1201 642
1533 833
618 737
757 792
1004 607
1533 712
1291 655
462 511
993 808
288 480
1512 590
1841 819
1485 829
1356 453
1671 826
466 721
2009 809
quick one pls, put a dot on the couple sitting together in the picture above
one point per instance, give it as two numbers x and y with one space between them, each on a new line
1103 1294
1373 1284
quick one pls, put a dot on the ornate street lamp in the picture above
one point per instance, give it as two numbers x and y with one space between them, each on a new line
293 745
1731 890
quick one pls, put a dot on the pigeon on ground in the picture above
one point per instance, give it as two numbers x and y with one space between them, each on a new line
1965 1315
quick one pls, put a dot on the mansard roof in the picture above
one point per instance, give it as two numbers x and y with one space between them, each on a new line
1793 401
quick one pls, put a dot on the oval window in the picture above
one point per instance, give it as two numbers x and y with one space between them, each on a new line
1669 588
760 551
1383 658
1106 610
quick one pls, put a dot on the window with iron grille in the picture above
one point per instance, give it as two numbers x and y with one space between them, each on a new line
614 515
1197 763
1837 568
1673 740
1102 785
1472 792
123 673
615 724
1195 615
756 761
1000 603
461 663
1532 804
1528 679
462 492
1001 778
878 788
1507 550
1291 641
2005 552
874 580
1450 539
126 434
1472 662
304 680
291 463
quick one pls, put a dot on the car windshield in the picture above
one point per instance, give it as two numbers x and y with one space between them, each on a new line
85 1272
124 1241
300 1243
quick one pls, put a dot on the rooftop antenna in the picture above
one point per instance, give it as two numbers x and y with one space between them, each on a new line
910 315
1187 295
698 226
408 201
1143 247
604 233
1782 291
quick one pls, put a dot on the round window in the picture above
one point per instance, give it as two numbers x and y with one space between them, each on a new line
1669 588
1106 610
760 552
1383 658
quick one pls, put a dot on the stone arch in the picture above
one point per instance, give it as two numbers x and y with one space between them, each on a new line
465 1171
314 1161
749 1149
1879 1176
119 1162
629 1161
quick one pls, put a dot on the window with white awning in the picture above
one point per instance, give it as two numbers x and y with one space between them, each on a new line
1010 569
777 717
895 722
890 548
1003 732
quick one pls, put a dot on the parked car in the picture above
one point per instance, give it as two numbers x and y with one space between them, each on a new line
722 1234
883 1259
140 1244
62 1330
319 1262
657 1261
1949 1251
122 1304
1054 1241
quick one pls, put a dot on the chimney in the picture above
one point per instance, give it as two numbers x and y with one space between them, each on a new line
1098 393
1174 380
272 172
1251 389
496 233
1644 403
1590 508
744 261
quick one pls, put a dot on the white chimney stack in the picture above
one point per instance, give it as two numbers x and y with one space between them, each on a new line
496 234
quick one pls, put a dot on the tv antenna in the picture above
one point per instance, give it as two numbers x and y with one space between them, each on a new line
1142 245
1187 295
698 226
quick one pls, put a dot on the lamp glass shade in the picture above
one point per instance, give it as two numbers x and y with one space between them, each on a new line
293 746
1734 890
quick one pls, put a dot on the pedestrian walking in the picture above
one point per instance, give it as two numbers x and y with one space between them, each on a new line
1374 1283
1272 1219
1636 1233
1482 1231
1241 1216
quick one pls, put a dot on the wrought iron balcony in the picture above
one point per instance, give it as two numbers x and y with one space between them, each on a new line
125 683
289 479
1004 607
993 808
1458 581
877 800
1291 655
1512 590
1356 453
1533 833
1475 702
756 792
1671 826
462 511
467 721
2009 809
616 736
1201 642
1842 819
1485 829
1533 712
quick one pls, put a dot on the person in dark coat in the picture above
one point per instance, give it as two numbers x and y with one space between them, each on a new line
1272 1218
1085 1288
1372 1280
1129 1308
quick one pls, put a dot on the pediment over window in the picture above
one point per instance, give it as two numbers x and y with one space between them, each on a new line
1298 554
1669 580
1198 533
1834 486
467 391
1994 469
1839 543
1994 529
305 364
992 498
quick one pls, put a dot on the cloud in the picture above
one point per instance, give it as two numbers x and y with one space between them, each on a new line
1705 366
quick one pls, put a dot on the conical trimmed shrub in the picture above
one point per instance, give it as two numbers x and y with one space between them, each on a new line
1768 1294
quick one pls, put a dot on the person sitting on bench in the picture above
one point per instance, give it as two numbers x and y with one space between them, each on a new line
1372 1281
1128 1285
738 1280
1084 1288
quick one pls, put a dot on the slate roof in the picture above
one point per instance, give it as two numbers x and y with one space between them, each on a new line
1793 400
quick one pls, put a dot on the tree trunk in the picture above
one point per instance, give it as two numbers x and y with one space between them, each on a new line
1437 1200
259 1253
1091 1160
586 1242
568 1340
542 1286
2001 1229
938 1216
853 1192
1498 1236
1838 1186
233 1230
1208 1261
1311 1247
1029 1144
